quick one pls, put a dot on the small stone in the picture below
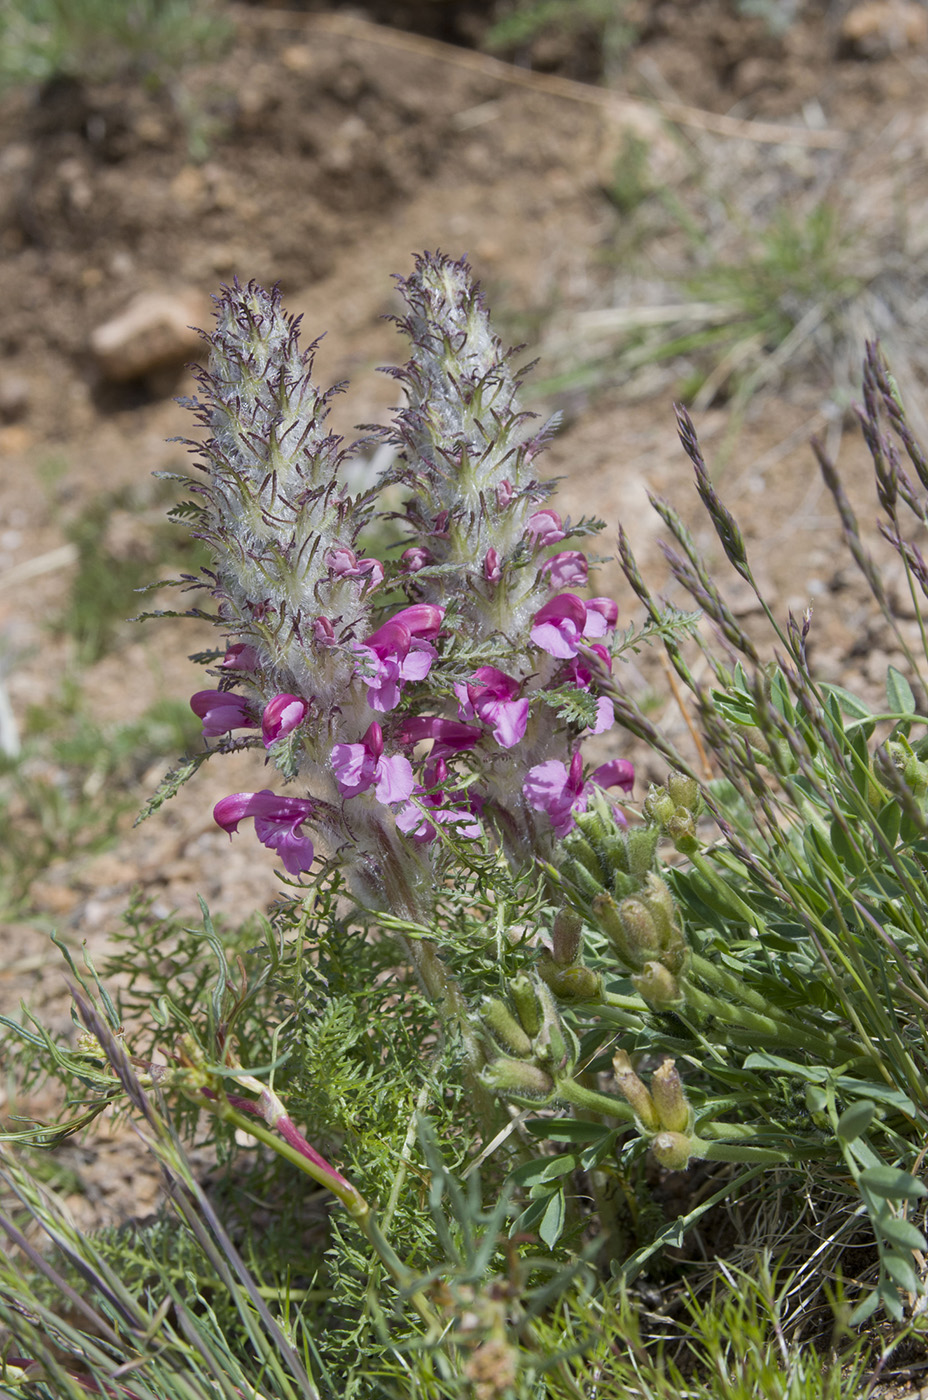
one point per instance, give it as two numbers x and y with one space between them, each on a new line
876 28
156 331
14 397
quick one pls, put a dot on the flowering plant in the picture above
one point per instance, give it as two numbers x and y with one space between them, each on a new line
493 661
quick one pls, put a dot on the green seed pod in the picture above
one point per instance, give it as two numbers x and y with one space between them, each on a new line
615 853
642 934
623 885
580 851
672 1151
658 805
585 886
641 845
674 1112
635 1093
656 985
606 916
523 992
550 1044
567 937
684 791
505 1029
681 829
573 985
515 1079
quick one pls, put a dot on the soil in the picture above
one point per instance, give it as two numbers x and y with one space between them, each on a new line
321 152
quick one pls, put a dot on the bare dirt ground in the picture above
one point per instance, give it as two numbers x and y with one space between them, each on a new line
322 152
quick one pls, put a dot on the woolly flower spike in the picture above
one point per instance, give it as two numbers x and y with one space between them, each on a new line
561 792
221 711
278 824
280 529
361 766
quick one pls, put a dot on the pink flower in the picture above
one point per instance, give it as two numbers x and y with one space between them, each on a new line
567 570
415 558
558 626
398 652
604 608
221 711
450 735
440 808
552 788
491 566
324 632
240 657
545 528
361 766
504 493
344 563
281 716
278 823
490 697
564 622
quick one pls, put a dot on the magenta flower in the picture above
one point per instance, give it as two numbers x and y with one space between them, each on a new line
567 570
492 570
361 766
324 632
398 652
281 716
415 558
564 622
344 563
490 697
604 608
240 657
440 809
551 787
544 527
221 711
558 626
278 823
450 735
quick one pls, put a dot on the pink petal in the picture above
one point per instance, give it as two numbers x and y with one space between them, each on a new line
395 781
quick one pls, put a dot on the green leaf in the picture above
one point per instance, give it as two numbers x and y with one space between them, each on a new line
762 1060
900 1232
902 1271
899 693
892 1182
850 704
544 1169
855 1120
889 821
552 1222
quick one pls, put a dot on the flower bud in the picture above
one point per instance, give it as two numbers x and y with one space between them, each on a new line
518 1080
672 1151
505 1029
674 1112
567 937
658 986
635 1093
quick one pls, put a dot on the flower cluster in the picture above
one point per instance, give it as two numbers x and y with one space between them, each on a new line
458 713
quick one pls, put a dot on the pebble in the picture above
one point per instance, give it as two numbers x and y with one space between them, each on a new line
156 331
14 396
